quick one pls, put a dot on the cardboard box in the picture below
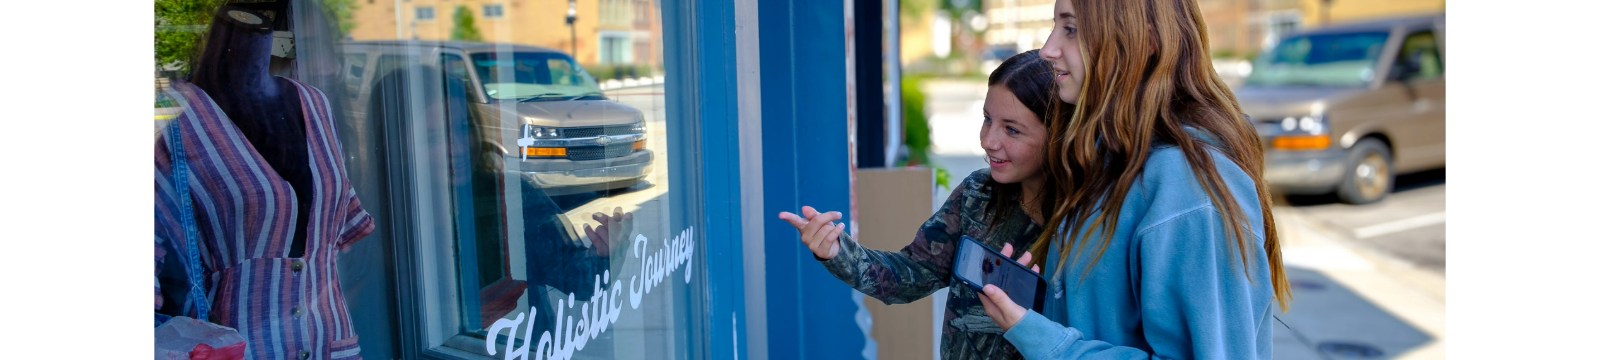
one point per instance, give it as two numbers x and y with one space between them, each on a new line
893 204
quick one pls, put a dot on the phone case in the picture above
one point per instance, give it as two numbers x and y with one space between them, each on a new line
1037 306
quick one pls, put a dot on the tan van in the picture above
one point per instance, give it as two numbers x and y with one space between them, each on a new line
547 117
1343 109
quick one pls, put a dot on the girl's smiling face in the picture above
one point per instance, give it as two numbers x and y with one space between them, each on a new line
1062 51
1012 138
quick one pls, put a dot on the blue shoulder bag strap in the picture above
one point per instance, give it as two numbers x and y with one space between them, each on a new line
180 177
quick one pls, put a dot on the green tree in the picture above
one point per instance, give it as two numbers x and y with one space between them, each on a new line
342 11
180 30
466 28
915 8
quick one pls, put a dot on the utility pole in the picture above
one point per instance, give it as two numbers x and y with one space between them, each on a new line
572 19
1327 6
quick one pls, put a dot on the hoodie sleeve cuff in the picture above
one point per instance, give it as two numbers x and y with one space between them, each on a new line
843 264
1037 337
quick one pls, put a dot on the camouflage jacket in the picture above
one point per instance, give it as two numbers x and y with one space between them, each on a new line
923 267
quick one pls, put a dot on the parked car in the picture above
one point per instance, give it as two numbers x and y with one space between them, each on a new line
991 57
542 112
1343 109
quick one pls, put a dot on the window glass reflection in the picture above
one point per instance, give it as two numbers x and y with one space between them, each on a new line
517 147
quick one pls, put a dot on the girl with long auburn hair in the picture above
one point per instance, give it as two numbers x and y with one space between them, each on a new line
1164 244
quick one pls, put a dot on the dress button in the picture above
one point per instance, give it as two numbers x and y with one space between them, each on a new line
305 354
297 312
297 265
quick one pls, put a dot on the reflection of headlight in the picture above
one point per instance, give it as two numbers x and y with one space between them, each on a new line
638 125
540 132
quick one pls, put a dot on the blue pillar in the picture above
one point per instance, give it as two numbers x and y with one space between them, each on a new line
703 128
805 161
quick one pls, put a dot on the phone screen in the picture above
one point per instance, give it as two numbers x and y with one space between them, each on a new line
979 265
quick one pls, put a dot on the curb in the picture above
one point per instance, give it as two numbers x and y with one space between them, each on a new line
614 84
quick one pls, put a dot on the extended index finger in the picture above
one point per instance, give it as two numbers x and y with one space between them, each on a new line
794 220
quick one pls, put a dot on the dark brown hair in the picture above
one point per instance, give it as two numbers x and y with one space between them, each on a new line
1029 78
1148 76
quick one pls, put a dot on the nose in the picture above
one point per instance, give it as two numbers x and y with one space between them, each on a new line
1052 47
986 142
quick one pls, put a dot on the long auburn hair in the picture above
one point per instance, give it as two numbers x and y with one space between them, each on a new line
1148 76
1028 77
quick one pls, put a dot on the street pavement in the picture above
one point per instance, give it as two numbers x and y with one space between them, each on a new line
1409 224
1368 280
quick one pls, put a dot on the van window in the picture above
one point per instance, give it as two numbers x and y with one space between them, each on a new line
357 65
455 66
1422 46
532 76
1320 60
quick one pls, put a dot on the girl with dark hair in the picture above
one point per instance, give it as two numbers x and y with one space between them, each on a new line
1163 243
1001 206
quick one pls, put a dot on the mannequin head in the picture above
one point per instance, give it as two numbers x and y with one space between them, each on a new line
237 53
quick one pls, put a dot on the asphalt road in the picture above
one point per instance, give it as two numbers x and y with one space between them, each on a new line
1408 225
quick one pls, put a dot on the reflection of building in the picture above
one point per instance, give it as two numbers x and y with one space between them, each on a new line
1243 27
607 31
1025 23
628 32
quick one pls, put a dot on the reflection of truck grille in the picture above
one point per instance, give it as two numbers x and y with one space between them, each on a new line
593 131
599 152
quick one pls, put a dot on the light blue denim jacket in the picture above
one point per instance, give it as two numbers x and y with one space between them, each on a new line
1170 284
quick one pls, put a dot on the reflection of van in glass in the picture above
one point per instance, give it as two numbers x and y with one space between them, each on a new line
543 113
1343 109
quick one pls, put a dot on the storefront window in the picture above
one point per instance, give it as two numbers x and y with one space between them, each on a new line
451 183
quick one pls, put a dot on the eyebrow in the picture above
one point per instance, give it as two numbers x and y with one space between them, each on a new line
1065 15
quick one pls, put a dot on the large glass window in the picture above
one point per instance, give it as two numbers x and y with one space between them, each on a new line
515 174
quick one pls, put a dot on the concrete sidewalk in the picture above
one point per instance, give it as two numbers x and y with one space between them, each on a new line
1351 303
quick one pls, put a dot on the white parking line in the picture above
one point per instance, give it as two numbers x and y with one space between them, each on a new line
1391 227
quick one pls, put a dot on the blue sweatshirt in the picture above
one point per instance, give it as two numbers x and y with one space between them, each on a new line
1170 285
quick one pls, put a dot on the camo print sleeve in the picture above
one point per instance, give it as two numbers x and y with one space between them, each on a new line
920 268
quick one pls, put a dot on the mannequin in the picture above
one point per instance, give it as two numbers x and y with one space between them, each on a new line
233 70
268 207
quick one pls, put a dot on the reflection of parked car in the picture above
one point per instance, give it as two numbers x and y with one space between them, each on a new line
542 112
1343 109
994 55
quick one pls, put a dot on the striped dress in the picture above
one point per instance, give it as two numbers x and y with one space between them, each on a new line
286 308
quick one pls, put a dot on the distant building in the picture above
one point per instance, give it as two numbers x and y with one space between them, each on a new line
1021 23
607 31
1243 27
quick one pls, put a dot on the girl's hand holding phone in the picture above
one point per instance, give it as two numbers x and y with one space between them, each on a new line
998 305
817 230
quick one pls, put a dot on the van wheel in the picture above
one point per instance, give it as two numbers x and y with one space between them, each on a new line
1369 173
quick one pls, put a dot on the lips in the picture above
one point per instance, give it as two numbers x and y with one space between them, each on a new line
996 163
1061 74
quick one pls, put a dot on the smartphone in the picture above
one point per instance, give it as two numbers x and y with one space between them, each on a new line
978 265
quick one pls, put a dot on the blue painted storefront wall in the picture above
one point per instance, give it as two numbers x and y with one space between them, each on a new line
700 86
805 161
